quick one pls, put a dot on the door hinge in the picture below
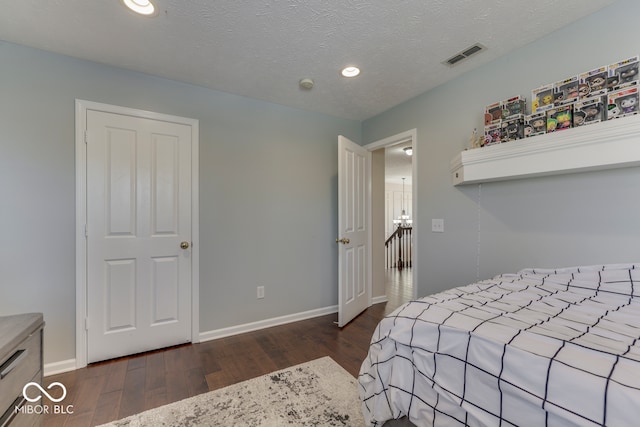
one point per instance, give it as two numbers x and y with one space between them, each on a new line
86 137
86 323
86 231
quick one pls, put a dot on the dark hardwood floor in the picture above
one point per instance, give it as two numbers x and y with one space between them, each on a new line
398 286
106 391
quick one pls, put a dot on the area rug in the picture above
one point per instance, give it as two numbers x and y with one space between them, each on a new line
316 393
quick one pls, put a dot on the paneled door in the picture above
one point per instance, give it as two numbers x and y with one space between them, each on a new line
138 234
353 230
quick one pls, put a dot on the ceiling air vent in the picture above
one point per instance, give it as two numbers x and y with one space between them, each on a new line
461 56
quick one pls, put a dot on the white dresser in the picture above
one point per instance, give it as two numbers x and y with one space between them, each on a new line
20 363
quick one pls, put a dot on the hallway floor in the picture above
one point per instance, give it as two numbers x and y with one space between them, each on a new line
398 287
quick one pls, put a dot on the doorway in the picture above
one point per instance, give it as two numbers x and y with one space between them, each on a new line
399 259
390 162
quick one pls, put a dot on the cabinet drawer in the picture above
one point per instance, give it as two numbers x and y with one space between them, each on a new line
21 366
22 420
13 418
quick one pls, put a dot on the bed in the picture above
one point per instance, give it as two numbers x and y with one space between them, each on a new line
543 347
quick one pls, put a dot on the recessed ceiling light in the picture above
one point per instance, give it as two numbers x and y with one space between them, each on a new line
143 7
350 71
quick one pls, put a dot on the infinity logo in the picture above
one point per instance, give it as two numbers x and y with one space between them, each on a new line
38 386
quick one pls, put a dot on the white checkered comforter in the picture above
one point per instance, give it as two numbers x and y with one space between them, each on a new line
537 348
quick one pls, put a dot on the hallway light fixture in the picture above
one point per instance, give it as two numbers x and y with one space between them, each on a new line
408 151
404 220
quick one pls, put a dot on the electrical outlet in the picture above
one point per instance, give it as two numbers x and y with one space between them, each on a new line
260 292
437 225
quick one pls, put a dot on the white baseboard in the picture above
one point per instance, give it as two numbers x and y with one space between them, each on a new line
379 300
267 323
70 364
59 367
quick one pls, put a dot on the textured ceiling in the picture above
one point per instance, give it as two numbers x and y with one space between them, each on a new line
262 48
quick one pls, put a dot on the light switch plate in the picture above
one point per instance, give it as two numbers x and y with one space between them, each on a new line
437 225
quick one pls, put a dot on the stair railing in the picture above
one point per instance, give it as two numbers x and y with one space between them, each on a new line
398 248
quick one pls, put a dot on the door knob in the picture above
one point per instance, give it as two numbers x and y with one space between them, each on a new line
344 241
184 245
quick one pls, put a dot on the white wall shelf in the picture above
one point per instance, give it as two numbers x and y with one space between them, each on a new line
607 145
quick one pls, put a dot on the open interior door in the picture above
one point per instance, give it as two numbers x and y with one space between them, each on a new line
353 230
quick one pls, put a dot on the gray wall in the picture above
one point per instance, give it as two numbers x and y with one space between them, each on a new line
268 193
378 255
587 218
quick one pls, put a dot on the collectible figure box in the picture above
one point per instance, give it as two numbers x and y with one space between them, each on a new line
513 128
623 74
542 99
492 134
565 91
493 113
589 111
623 102
594 96
535 124
513 107
560 118
593 83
